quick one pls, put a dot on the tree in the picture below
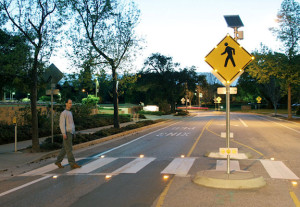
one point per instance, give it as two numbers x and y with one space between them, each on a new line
108 26
266 69
158 80
14 56
163 82
247 88
288 32
31 18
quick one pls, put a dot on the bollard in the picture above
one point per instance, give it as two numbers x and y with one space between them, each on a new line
16 132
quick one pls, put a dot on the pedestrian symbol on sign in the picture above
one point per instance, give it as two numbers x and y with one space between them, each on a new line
229 51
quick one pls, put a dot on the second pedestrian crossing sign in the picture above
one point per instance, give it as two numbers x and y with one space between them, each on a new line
228 60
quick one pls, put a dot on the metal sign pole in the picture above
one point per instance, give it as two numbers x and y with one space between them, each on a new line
52 88
228 124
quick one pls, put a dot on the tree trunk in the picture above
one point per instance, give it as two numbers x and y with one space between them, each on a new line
275 109
289 101
173 108
115 99
35 139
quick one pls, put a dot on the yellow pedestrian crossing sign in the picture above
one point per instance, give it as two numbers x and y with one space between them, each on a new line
258 99
228 60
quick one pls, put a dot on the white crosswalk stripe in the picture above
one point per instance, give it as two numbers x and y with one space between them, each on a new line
277 169
92 165
45 169
179 166
134 166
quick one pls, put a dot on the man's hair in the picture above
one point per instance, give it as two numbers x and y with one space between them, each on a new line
67 100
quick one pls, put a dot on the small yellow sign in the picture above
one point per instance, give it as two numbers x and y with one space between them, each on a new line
258 99
228 59
219 99
228 151
15 120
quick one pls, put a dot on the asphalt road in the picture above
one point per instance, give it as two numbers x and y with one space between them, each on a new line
130 171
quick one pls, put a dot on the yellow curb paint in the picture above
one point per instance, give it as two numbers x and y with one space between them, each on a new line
295 199
163 195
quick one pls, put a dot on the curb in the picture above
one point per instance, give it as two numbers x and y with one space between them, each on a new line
101 140
234 180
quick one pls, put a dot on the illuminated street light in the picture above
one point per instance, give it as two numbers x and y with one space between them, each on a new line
84 91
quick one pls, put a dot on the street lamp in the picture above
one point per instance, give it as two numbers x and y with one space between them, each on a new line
97 85
13 93
83 91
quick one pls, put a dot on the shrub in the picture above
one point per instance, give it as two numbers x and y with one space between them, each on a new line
298 111
91 99
158 113
47 144
109 131
82 110
25 100
181 113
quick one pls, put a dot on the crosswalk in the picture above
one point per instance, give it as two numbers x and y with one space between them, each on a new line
178 167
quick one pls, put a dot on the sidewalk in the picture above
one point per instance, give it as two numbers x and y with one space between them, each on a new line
286 116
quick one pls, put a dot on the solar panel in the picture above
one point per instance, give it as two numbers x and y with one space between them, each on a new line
233 21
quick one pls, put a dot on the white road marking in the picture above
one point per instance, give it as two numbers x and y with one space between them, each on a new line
222 165
245 125
25 185
44 169
173 134
103 153
277 169
92 165
134 166
179 166
281 125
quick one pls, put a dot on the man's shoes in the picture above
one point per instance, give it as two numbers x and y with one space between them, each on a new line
59 165
75 166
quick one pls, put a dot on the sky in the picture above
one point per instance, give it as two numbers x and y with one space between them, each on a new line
188 30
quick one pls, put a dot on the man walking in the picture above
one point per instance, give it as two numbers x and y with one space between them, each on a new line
67 129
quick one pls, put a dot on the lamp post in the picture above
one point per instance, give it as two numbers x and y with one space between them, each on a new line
97 85
13 93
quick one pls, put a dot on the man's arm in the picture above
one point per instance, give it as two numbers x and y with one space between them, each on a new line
62 124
